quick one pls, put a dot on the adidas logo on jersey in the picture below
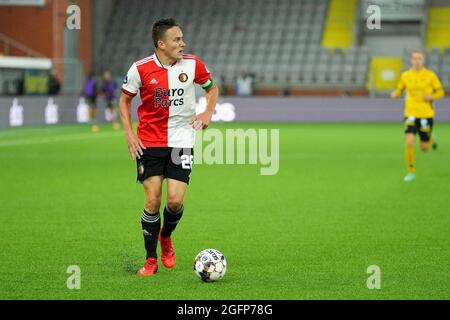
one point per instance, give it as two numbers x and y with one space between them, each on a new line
154 81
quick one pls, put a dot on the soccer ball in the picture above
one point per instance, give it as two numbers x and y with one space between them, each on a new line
210 265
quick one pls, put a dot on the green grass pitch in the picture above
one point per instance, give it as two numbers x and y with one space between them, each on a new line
337 205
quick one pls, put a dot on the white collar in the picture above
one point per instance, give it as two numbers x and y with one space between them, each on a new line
159 64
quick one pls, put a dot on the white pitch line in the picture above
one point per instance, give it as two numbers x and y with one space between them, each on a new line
63 138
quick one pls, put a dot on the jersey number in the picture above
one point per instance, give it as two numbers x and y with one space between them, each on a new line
186 161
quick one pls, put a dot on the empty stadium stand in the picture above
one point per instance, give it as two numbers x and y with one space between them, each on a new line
278 41
286 44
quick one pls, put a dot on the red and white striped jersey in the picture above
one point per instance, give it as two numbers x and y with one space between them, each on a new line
168 99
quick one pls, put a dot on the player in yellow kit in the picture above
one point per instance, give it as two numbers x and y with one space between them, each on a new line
422 88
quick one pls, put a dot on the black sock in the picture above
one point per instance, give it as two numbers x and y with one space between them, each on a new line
150 228
171 220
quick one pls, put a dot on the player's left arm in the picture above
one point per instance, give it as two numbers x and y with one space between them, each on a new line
438 90
203 78
202 120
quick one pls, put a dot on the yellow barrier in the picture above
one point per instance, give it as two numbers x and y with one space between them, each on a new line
384 73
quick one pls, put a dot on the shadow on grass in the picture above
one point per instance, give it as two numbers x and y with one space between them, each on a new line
128 262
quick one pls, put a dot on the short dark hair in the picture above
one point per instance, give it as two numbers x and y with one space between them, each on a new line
160 27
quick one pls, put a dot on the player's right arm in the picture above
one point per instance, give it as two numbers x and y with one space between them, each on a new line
135 145
130 87
399 90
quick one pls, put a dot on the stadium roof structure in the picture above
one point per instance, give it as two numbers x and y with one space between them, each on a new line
25 63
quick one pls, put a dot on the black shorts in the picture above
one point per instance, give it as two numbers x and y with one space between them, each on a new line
423 126
110 103
91 101
172 163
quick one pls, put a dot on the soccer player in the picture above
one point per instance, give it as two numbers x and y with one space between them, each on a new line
90 94
109 90
163 147
422 88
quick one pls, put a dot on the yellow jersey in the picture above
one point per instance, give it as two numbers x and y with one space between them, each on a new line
418 84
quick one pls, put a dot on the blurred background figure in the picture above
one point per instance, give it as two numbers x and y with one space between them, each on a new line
20 84
244 84
54 85
109 89
90 95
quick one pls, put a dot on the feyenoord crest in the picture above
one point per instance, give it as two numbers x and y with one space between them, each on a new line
183 77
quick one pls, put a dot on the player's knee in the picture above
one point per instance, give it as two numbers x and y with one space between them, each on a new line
174 202
425 146
152 203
